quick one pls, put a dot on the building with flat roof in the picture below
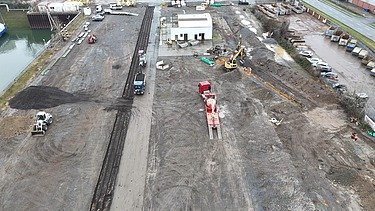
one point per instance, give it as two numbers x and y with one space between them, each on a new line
192 27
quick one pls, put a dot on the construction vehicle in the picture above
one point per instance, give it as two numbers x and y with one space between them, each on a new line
91 39
43 120
211 111
139 83
231 63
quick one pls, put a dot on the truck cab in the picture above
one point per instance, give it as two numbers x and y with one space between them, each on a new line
139 84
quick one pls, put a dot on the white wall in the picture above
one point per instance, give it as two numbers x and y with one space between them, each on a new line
191 33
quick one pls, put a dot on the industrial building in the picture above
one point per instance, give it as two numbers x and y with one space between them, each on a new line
192 27
368 5
57 7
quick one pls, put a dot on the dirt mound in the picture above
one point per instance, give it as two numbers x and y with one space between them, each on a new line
40 97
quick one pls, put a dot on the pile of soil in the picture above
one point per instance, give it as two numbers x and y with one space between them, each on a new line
40 97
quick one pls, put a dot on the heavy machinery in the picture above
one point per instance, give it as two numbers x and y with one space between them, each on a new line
231 63
43 120
212 115
91 39
139 83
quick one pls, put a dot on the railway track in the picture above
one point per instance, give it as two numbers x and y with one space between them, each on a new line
104 189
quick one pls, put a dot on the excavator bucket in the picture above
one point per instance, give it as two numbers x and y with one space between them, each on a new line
37 131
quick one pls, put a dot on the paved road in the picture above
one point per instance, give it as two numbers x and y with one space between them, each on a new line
357 23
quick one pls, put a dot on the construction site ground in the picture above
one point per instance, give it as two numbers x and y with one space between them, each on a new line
308 162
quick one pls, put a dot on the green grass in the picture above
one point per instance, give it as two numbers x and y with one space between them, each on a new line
373 24
15 19
341 9
366 41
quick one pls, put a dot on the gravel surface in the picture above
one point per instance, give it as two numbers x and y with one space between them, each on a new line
308 162
60 170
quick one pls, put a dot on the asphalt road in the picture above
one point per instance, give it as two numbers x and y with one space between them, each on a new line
356 23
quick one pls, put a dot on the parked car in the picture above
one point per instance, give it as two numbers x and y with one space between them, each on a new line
339 87
114 6
314 61
323 67
330 75
97 17
306 53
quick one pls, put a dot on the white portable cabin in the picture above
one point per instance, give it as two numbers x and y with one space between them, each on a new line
192 27
66 7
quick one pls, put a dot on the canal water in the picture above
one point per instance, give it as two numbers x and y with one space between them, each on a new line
18 47
17 50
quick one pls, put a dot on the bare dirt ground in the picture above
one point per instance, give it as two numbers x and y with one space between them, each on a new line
60 170
308 162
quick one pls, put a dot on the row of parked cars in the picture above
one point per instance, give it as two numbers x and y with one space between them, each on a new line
99 16
325 69
351 45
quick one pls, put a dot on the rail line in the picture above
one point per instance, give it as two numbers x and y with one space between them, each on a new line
104 189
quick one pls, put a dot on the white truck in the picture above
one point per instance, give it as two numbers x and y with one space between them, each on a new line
362 54
344 39
336 36
356 51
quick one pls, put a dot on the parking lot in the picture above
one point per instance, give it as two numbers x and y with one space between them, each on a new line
348 67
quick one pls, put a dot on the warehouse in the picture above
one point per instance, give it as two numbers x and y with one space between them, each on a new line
192 27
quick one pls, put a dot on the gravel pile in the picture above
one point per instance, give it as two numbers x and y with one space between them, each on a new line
40 97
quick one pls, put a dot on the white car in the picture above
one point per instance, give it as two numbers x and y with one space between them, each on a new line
314 61
323 66
97 17
306 53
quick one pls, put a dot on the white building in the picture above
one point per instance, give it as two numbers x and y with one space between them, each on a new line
58 7
192 27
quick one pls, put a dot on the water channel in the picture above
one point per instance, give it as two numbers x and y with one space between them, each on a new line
18 47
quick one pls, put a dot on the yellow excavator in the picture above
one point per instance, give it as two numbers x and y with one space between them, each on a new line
231 63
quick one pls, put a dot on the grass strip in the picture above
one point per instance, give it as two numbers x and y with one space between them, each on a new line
363 39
